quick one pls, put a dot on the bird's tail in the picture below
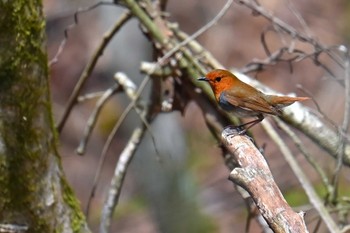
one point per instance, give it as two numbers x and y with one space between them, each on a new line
283 101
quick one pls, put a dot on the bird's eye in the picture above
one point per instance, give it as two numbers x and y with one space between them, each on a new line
217 79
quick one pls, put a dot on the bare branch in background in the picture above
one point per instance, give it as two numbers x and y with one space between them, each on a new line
303 180
297 141
281 27
333 197
179 61
91 65
94 115
118 178
130 89
71 26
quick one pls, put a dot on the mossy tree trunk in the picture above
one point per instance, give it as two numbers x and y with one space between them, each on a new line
34 194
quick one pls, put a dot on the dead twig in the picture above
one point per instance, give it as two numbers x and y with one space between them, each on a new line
94 115
90 67
71 26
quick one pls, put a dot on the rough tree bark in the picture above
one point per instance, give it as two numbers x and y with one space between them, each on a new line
34 195
253 174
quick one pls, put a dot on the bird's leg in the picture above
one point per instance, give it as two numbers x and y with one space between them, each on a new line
240 128
250 124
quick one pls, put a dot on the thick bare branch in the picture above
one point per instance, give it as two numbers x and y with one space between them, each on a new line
254 175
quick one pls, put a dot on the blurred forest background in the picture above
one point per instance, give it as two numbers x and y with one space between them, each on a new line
188 191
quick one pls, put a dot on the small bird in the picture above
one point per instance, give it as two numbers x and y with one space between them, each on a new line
243 100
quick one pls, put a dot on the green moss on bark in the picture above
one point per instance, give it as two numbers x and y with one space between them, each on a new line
27 138
77 217
23 71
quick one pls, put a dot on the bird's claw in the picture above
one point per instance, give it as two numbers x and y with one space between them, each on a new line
232 131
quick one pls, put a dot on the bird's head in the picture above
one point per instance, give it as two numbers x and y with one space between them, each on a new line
219 80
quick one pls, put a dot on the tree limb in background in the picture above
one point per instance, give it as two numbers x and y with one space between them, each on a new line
308 123
182 59
344 129
62 45
90 125
303 180
282 27
118 177
130 89
90 67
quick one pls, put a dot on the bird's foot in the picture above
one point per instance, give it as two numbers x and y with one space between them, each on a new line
233 130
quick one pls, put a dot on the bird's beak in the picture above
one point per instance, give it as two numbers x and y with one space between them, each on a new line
202 79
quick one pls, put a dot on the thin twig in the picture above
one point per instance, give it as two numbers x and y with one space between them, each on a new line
288 29
71 26
300 18
198 32
319 112
90 96
281 26
344 127
197 48
90 67
111 135
94 115
130 90
304 151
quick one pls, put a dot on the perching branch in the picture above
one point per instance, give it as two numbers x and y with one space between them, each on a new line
254 175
